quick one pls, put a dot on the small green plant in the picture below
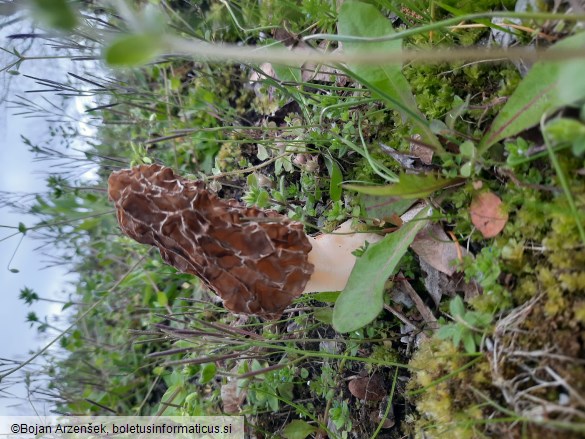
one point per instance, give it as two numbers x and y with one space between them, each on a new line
265 393
340 416
468 327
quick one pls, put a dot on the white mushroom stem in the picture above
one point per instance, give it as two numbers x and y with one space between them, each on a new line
333 259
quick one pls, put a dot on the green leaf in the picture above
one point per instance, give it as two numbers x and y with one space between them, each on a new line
336 177
298 429
469 342
466 169
387 81
287 73
324 315
548 86
565 130
162 298
385 208
467 149
262 153
409 186
208 372
286 390
22 228
272 402
133 50
252 181
57 14
326 296
456 307
458 331
578 147
363 297
447 331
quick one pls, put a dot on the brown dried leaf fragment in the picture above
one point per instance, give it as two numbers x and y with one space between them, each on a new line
487 214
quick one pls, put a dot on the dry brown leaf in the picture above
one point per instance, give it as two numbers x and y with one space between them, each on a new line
434 247
487 214
424 153
232 396
439 284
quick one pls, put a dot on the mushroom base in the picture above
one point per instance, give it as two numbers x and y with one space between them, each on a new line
333 259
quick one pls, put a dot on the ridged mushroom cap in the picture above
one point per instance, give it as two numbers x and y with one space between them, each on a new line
255 260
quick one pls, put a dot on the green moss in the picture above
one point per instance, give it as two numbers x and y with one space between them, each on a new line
445 408
579 311
229 157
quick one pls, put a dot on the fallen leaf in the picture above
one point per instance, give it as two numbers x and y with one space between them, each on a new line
424 153
434 246
439 284
231 397
487 214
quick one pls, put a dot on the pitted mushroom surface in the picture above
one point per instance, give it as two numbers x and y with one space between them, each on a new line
255 260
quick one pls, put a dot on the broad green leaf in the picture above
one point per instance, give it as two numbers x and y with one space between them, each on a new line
548 86
409 186
387 81
286 390
298 429
363 297
133 50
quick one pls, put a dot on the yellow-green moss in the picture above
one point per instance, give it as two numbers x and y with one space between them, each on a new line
447 407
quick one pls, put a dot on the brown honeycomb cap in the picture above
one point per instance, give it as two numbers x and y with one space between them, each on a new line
255 260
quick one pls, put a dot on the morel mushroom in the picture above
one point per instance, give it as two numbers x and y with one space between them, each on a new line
257 261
